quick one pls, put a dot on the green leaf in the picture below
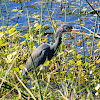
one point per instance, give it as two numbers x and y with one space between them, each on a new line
60 53
15 97
91 65
98 45
26 36
96 50
22 66
23 42
79 56
68 77
92 11
70 51
58 83
16 25
47 63
97 70
12 30
79 62
1 42
85 64
4 44
84 9
15 10
71 61
98 61
38 27
16 69
24 56
63 72
20 11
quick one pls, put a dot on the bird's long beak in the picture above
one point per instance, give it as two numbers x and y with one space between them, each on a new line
75 31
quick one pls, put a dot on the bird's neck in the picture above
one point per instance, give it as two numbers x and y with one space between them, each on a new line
54 48
57 43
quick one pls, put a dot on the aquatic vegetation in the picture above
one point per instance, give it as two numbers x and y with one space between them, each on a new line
73 74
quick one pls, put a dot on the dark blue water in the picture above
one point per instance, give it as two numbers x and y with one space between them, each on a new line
34 6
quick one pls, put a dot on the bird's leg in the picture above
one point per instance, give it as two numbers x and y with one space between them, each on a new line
41 68
42 76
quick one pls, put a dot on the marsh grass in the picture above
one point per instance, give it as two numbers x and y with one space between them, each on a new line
66 76
6 7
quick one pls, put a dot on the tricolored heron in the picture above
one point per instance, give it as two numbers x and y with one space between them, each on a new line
45 51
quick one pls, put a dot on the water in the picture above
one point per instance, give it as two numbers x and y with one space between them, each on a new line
34 7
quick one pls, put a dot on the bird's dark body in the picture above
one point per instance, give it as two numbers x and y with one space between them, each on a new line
38 56
44 51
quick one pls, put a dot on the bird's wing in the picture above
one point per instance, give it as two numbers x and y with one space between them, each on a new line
38 56
39 50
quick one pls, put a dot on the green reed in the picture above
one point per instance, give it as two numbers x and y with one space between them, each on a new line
29 29
36 77
51 20
6 7
93 37
81 31
41 22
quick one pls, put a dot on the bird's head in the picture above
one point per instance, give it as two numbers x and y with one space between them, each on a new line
63 28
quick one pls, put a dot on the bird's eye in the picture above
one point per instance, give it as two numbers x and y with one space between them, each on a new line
65 28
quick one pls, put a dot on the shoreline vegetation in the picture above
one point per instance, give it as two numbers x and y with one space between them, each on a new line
74 74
